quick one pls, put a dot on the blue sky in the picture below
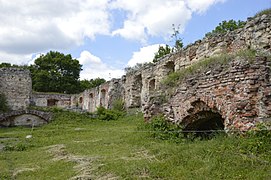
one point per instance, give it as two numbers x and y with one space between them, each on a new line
108 35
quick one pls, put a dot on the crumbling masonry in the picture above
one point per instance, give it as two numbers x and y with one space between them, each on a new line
232 96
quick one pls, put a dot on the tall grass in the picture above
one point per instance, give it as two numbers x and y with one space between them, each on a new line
76 146
262 12
204 65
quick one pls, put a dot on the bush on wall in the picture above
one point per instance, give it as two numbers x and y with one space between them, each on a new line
3 104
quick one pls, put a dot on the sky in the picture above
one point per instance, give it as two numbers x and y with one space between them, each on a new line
108 35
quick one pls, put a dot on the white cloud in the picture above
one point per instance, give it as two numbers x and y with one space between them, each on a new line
152 17
32 26
200 6
93 67
155 17
145 54
15 59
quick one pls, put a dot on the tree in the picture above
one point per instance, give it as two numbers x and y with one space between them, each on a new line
178 45
56 72
225 26
162 51
5 65
88 84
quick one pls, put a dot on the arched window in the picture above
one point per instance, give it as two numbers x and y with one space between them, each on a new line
152 85
102 99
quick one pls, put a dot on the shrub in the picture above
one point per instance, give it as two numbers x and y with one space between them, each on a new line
108 114
162 129
225 26
258 140
3 104
118 105
265 11
17 147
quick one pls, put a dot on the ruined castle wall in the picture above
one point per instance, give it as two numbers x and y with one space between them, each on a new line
16 84
240 93
90 99
47 100
256 34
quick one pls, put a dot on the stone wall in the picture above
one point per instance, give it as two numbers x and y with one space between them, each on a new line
256 34
103 95
16 85
25 118
48 99
238 96
239 92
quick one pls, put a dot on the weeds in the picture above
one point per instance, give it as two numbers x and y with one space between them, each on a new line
265 11
3 104
120 149
108 114
204 65
160 128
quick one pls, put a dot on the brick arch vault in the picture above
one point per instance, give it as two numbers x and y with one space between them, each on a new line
203 118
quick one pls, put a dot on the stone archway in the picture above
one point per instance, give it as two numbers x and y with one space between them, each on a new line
103 98
203 120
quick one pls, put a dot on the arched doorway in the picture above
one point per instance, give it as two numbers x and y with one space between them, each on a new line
203 121
152 85
102 97
169 67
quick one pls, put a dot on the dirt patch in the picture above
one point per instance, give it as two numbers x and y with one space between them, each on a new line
139 155
85 167
21 170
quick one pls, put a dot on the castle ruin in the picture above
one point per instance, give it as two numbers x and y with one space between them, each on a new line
236 96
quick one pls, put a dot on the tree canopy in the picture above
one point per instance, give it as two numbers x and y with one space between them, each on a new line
56 72
88 84
225 26
178 45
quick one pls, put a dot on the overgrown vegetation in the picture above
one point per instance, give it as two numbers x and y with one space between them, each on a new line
160 128
226 26
92 83
3 103
162 51
138 66
173 79
75 146
117 111
178 45
265 11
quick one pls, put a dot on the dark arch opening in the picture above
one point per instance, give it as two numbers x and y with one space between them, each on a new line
52 102
205 124
81 100
170 67
102 97
137 88
152 85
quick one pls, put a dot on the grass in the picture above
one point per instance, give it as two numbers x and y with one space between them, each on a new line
204 65
74 145
262 12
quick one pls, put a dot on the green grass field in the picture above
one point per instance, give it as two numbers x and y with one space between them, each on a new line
74 146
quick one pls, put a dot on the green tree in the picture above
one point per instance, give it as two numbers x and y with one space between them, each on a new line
162 51
88 84
5 65
56 72
3 104
225 26
178 45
